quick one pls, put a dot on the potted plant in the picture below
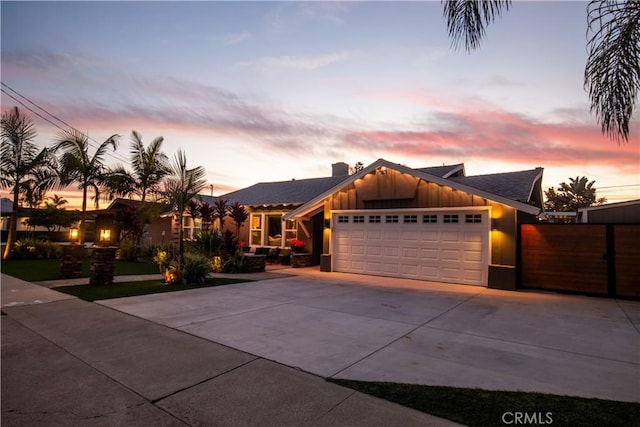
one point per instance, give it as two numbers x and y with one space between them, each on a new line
299 258
297 246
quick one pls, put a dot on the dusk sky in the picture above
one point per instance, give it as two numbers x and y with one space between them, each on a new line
269 91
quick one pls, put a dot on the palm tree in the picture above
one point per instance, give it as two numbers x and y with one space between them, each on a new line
579 193
56 201
150 165
77 166
612 74
181 186
24 168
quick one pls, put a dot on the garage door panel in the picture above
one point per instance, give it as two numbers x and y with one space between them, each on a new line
358 249
450 236
450 255
452 252
429 254
374 250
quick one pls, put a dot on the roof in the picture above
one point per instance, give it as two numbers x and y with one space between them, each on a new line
299 191
6 206
479 185
444 171
511 185
296 191
610 205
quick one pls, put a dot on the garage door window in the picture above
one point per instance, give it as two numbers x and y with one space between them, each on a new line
358 219
429 219
374 219
410 219
391 219
473 219
450 219
343 219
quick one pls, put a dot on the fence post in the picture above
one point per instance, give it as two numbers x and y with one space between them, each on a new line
611 260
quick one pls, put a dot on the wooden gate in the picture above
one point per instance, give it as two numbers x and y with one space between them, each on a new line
599 259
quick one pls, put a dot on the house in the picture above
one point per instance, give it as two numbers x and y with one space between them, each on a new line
619 213
391 220
433 223
160 230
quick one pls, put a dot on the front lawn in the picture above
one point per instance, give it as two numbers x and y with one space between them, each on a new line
474 407
129 289
35 270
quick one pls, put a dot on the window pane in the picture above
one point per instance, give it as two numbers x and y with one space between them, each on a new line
256 222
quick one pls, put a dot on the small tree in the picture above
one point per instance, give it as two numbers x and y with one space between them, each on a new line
181 186
220 210
239 215
206 213
579 193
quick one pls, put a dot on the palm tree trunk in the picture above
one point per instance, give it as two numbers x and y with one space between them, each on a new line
81 228
13 225
180 246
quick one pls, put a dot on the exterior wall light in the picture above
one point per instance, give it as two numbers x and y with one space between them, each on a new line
494 224
73 234
327 223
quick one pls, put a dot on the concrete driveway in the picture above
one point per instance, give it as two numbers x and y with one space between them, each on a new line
384 329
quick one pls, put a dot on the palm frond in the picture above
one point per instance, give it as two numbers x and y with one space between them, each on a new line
612 73
467 20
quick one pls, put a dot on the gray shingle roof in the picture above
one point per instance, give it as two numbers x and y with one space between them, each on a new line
511 185
291 192
443 171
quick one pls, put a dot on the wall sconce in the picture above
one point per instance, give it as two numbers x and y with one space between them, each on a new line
494 224
327 223
383 170
73 234
105 236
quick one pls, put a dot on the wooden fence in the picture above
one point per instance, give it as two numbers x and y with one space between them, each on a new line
601 259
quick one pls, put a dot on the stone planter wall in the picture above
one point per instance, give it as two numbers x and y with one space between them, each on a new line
103 261
255 263
300 260
71 262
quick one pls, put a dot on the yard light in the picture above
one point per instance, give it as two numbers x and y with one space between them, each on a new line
105 235
73 234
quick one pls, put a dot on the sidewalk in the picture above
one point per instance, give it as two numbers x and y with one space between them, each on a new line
67 361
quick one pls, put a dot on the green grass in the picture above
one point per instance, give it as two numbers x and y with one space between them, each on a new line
474 407
129 289
49 269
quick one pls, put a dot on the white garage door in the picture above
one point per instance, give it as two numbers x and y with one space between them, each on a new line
444 246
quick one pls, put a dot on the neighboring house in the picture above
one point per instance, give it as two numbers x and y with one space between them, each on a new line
161 229
613 213
6 208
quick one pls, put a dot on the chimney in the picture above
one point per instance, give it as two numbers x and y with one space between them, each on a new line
340 169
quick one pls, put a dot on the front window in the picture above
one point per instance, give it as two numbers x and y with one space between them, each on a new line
256 229
268 229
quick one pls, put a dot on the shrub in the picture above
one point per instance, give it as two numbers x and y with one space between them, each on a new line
207 243
35 249
196 268
128 251
235 263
